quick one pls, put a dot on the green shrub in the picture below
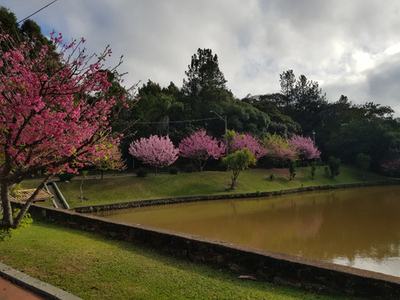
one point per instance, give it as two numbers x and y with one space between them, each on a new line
65 176
141 172
173 170
189 168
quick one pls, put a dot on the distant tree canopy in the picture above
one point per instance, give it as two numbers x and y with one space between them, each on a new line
29 30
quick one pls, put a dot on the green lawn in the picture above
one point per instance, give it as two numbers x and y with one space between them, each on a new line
130 188
93 267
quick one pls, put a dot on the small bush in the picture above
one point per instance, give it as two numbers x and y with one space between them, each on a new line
174 170
141 172
189 169
327 172
272 177
65 176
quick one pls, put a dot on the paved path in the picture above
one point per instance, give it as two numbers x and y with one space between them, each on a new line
40 290
11 291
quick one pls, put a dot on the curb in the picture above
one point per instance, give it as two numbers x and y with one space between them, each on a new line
39 287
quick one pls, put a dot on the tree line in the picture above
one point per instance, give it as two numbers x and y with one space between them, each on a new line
339 128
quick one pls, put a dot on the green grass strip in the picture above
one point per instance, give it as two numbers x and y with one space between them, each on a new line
131 188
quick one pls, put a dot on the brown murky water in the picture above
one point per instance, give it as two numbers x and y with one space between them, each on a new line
355 227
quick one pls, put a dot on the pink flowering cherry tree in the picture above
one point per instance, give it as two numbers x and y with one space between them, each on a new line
111 161
241 141
279 149
158 152
201 147
52 115
391 166
305 147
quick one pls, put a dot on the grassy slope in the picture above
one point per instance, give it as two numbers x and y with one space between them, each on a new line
93 267
119 189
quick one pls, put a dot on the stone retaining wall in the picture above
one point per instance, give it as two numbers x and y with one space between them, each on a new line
264 265
142 203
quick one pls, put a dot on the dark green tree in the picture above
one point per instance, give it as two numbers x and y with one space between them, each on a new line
292 169
9 23
305 101
271 104
29 30
334 166
363 162
313 169
155 109
204 88
203 73
287 81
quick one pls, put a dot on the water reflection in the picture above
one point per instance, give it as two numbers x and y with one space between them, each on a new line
356 227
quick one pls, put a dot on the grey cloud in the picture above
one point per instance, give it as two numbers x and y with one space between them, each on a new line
255 40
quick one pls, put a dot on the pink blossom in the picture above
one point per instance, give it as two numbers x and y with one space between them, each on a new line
201 147
49 128
158 152
391 166
305 147
241 141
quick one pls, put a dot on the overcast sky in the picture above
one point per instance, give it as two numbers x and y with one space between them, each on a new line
351 47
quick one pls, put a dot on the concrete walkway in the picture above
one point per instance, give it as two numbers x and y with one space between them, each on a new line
15 285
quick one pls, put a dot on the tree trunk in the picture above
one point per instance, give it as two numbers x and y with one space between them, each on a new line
28 203
233 183
81 189
234 177
7 220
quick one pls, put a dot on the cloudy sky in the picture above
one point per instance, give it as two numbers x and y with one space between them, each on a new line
351 47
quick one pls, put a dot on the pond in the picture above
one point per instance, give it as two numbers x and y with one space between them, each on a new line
357 227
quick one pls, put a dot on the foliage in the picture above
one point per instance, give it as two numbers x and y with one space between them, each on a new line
174 170
51 118
292 168
240 141
237 162
158 152
203 73
279 149
305 101
205 84
243 117
391 167
363 162
5 231
155 108
271 104
313 169
29 31
334 165
201 147
141 172
370 137
110 161
65 176
190 168
305 147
